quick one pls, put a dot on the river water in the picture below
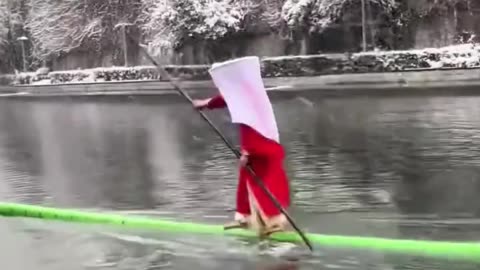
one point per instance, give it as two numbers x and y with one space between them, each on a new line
398 167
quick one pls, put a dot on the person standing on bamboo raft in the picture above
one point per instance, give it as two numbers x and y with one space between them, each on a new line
243 93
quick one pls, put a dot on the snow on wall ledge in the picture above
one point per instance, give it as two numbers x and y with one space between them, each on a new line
457 56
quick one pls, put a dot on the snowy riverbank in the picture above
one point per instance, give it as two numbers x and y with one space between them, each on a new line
455 81
458 56
450 68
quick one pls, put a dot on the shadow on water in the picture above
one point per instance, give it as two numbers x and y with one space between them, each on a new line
403 167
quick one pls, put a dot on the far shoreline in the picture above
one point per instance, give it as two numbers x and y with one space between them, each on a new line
451 69
431 82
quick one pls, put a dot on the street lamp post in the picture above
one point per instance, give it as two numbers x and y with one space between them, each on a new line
22 39
364 27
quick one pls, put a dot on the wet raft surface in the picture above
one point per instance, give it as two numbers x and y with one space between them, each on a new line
386 167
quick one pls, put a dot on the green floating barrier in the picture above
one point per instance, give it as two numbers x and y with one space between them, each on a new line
464 251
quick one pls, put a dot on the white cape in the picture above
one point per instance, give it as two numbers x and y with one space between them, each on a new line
240 83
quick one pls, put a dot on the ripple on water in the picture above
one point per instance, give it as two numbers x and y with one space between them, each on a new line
390 167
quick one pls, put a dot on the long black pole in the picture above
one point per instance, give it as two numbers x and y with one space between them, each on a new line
163 72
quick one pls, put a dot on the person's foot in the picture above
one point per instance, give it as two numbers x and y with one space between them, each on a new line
271 230
241 221
236 224
273 225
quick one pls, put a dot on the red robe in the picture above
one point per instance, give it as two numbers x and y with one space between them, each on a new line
266 159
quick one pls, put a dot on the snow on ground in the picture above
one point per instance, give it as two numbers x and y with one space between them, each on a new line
460 56
467 55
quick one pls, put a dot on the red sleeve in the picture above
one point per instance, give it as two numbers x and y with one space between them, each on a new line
257 145
217 102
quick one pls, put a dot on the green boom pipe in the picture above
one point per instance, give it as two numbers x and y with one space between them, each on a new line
465 251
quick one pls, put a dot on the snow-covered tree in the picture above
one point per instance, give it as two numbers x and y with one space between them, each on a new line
272 13
12 16
3 27
170 23
315 16
440 7
296 13
60 26
153 25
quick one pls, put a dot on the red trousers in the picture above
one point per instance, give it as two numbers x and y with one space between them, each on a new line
266 159
272 175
